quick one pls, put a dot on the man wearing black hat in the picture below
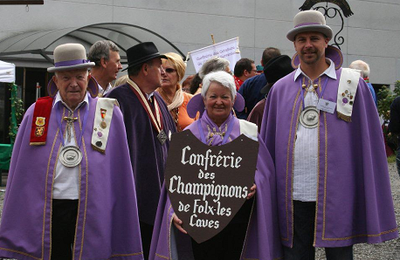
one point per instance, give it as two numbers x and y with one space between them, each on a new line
275 69
250 89
148 125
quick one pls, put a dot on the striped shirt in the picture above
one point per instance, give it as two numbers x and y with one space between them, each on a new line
306 146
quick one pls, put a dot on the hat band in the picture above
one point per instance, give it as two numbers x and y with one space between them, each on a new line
70 63
303 24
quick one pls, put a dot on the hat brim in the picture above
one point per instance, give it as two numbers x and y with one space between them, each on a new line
143 60
72 67
92 88
196 104
324 29
331 52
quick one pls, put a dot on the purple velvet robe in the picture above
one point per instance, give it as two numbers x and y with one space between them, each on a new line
262 238
354 202
148 155
107 221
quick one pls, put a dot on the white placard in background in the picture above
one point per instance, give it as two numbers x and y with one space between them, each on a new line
228 49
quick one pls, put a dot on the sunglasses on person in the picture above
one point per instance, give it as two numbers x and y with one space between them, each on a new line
169 70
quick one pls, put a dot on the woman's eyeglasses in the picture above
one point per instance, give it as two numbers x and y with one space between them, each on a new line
169 70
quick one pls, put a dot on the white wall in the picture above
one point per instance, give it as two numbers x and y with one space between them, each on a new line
371 34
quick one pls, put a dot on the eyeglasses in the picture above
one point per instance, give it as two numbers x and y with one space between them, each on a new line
169 70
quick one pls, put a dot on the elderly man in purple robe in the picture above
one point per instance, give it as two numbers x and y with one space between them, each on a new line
148 126
66 197
322 130
251 234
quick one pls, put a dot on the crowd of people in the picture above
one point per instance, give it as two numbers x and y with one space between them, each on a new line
86 179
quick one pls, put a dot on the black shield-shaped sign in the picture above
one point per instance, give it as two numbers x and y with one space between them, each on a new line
207 185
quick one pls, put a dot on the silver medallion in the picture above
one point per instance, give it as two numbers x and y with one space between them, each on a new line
162 137
309 117
70 156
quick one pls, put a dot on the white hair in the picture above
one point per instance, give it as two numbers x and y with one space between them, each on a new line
221 77
361 65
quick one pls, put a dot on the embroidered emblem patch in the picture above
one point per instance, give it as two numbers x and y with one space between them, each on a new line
40 121
347 97
39 131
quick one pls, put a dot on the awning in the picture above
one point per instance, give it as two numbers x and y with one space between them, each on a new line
37 47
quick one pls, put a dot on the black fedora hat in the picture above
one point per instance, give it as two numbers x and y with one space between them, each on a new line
141 53
275 69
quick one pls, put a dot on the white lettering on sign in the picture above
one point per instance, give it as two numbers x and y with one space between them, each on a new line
206 189
208 197
210 160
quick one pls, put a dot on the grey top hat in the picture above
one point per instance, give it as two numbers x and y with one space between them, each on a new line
70 56
141 53
309 21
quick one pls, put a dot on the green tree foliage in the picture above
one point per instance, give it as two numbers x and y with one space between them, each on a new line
17 111
385 99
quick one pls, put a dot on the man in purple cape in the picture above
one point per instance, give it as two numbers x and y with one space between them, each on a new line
148 126
322 130
66 196
262 234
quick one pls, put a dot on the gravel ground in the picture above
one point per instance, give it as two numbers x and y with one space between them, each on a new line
389 250
385 251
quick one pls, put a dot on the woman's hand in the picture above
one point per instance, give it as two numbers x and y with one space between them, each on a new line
253 190
178 224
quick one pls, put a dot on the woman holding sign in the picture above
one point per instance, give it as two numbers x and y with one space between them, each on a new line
240 238
216 127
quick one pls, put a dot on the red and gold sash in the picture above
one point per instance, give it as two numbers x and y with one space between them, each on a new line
41 120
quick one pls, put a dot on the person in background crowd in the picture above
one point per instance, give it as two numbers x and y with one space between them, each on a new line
171 90
365 72
394 127
121 80
323 132
148 126
244 69
105 54
65 189
275 69
260 69
195 84
250 89
213 64
186 83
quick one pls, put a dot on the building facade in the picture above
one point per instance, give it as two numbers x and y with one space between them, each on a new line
372 33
